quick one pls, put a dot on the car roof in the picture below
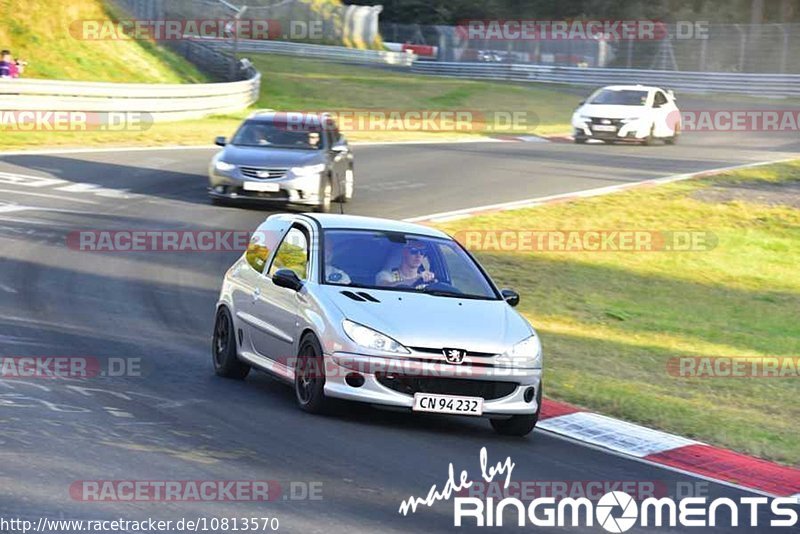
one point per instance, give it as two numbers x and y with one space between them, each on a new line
357 222
631 88
270 114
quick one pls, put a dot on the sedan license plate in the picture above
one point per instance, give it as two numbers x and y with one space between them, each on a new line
262 187
604 128
428 402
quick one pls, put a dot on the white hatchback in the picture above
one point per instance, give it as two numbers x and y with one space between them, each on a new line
627 113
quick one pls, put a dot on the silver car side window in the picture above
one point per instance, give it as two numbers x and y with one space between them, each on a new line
292 254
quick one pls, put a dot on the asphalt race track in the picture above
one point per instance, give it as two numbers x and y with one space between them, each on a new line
180 422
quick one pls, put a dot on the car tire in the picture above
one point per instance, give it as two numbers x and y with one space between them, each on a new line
675 134
223 348
519 425
325 197
309 376
580 140
650 139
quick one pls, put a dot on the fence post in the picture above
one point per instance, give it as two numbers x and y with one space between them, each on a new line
742 46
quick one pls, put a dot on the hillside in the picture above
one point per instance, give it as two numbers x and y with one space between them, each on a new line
39 32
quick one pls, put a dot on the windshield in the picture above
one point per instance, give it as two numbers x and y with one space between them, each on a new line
271 135
624 97
402 262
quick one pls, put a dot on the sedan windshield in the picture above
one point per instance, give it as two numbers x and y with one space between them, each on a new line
403 262
276 135
624 97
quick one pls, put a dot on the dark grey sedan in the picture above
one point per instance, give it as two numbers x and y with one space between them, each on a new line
283 157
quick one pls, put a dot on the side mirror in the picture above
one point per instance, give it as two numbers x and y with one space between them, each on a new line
510 296
339 148
220 141
582 102
287 278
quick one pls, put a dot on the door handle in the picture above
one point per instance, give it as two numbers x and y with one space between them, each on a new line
256 294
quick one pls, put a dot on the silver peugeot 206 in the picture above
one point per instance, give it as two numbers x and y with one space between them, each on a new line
383 312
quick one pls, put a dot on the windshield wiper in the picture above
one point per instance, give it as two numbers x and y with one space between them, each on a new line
447 293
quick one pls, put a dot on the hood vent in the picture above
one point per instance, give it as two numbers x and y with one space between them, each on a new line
360 296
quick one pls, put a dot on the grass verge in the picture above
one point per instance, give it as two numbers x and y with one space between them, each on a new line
300 84
611 321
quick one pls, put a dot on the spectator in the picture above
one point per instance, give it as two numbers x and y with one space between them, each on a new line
8 67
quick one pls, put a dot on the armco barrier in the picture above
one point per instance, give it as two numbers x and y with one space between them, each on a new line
779 85
330 53
164 102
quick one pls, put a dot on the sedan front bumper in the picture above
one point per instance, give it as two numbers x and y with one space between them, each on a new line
302 190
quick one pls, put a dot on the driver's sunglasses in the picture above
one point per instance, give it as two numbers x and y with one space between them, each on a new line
416 251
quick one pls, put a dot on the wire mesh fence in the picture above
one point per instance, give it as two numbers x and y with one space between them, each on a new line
762 48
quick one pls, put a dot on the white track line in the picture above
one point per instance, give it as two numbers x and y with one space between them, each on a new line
586 193
63 198
48 151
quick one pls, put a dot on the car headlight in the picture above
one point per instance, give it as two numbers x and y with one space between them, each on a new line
369 338
308 170
224 166
584 118
631 119
526 354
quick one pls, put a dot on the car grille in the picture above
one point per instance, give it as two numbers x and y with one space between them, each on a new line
253 172
409 385
613 122
440 352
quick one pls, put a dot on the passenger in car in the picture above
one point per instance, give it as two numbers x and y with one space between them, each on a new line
333 274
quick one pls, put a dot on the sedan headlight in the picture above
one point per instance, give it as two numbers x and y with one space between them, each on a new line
308 170
369 338
526 354
224 166
631 119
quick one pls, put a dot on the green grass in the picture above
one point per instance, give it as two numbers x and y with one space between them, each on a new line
299 84
39 32
610 321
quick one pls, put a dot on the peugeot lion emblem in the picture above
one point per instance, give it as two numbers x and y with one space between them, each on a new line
606 121
262 174
454 356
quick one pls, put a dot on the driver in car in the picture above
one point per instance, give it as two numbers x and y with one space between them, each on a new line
411 272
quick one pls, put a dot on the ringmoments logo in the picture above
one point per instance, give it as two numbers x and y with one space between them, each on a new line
615 511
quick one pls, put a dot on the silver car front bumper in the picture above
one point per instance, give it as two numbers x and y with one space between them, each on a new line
372 391
290 189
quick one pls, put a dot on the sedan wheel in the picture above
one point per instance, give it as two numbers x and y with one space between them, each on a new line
223 348
309 376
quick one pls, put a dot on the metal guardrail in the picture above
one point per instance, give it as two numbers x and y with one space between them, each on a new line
164 102
331 53
776 85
